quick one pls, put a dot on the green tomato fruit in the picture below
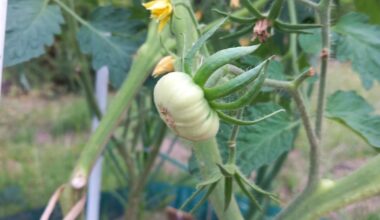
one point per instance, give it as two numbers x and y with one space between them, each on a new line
183 107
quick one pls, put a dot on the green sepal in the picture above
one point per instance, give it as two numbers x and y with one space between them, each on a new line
238 33
275 10
246 192
214 178
188 60
236 19
188 200
247 4
218 60
236 121
234 84
294 31
255 187
204 198
247 97
228 192
296 26
227 170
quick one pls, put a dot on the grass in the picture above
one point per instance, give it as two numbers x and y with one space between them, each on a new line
40 141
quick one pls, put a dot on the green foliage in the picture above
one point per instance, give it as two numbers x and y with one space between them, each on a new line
262 143
351 110
359 43
370 8
311 43
276 70
111 38
31 25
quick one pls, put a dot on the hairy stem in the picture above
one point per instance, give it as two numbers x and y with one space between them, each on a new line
313 141
324 14
314 173
293 38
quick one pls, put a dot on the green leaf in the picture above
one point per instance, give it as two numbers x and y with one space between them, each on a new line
359 42
311 43
31 26
262 143
276 70
111 38
351 110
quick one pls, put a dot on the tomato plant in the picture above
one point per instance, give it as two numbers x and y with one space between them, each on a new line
235 80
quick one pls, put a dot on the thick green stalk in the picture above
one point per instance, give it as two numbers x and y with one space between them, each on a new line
208 155
324 15
148 54
146 57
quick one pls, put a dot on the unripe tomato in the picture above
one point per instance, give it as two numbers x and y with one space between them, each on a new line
183 107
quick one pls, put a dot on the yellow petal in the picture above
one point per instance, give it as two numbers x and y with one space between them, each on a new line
162 24
234 3
165 65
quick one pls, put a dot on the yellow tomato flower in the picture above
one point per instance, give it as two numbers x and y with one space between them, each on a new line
160 10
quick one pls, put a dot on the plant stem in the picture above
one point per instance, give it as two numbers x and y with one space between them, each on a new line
208 155
309 3
148 54
324 15
293 38
314 173
313 141
232 141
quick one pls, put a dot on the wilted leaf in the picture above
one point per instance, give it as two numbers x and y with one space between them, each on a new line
359 42
351 110
262 143
31 26
111 39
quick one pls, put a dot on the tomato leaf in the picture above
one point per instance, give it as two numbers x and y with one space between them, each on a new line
311 43
111 38
358 41
262 143
31 26
353 111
